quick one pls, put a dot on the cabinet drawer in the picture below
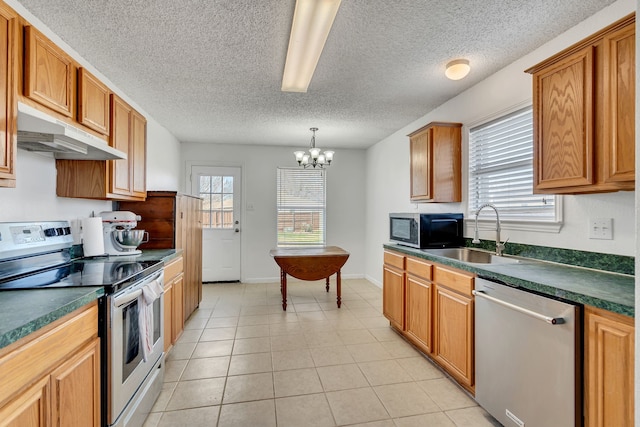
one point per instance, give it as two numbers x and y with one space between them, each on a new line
419 267
172 269
393 259
456 280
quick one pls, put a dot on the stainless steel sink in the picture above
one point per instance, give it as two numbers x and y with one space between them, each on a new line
472 256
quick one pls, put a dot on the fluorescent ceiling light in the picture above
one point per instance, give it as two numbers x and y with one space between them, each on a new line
312 21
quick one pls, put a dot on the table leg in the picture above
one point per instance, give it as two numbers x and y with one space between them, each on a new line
283 289
338 288
328 283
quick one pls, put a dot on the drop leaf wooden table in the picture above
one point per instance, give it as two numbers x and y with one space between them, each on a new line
309 263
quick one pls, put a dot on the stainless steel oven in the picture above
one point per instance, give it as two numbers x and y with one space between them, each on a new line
131 374
38 256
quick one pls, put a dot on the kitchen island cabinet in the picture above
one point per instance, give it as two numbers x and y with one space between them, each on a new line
584 115
608 368
436 163
8 141
52 377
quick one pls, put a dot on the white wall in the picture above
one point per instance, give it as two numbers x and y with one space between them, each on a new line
388 172
345 201
34 197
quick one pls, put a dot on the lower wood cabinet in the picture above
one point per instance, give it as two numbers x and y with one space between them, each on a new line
53 378
454 331
438 309
173 302
608 368
393 295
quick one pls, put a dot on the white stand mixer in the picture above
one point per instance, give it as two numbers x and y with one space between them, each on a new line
120 238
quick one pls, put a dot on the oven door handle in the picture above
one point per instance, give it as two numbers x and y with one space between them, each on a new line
126 299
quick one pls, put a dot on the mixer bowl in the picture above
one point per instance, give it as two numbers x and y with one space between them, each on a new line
130 238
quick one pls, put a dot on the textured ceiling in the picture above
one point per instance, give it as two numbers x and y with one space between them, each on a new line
211 71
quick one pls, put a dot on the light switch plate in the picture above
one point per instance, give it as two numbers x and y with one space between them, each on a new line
601 228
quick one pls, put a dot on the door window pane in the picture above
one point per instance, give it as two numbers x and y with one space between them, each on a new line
217 206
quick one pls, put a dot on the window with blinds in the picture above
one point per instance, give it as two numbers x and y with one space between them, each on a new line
501 169
301 206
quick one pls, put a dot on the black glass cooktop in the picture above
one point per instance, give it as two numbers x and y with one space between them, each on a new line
112 274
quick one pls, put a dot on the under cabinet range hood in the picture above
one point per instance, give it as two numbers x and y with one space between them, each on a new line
38 131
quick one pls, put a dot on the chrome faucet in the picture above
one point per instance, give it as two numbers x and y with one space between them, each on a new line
476 238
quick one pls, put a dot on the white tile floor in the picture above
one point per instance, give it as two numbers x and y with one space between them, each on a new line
242 361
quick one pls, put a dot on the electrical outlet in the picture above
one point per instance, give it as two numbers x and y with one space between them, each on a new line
601 228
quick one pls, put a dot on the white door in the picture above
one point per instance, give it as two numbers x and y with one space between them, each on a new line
219 188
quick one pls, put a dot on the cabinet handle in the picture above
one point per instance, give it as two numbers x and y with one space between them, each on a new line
548 319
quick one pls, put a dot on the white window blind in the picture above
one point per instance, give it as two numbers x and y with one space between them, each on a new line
501 169
301 206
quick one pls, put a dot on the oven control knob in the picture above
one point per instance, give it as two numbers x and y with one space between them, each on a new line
50 232
67 230
60 231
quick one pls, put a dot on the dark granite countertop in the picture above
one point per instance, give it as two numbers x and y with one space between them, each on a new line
25 311
610 291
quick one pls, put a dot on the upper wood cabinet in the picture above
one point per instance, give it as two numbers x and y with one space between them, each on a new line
584 112
435 153
110 179
8 147
48 73
93 102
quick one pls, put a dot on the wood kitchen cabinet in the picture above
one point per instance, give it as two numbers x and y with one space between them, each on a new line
393 289
93 102
608 368
52 377
48 73
174 221
454 323
173 302
438 307
435 163
8 147
419 303
110 179
584 112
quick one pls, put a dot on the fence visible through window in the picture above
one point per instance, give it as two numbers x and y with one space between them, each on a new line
216 193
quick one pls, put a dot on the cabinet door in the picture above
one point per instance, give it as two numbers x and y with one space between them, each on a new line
619 104
120 139
48 73
177 316
393 296
420 155
75 397
168 315
609 369
93 102
30 408
8 142
138 164
453 346
419 312
564 123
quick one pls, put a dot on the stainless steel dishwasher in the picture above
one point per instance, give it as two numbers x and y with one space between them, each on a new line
527 357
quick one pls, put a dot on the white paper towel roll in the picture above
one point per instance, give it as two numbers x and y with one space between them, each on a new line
92 238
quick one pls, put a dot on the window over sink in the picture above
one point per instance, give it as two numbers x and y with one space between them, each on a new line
501 170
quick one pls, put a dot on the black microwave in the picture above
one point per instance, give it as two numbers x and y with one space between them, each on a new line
419 230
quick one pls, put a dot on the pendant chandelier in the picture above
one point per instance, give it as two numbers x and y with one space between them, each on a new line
315 157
